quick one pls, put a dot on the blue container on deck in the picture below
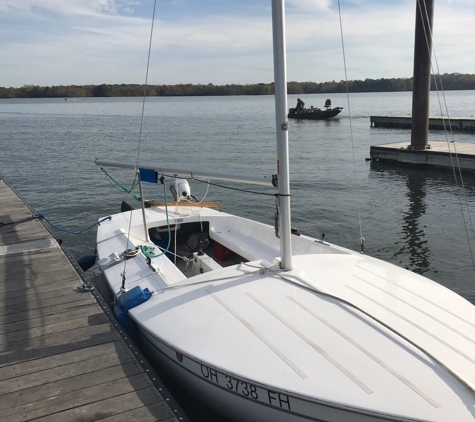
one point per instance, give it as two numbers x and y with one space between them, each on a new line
133 298
127 301
124 320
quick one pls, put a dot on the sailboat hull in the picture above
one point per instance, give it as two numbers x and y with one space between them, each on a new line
239 399
259 344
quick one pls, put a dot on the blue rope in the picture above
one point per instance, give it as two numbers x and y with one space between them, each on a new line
42 217
71 232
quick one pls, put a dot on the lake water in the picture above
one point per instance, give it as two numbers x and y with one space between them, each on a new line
414 218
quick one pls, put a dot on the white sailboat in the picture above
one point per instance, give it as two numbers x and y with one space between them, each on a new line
288 328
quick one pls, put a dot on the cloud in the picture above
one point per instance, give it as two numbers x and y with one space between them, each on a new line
52 42
309 5
70 7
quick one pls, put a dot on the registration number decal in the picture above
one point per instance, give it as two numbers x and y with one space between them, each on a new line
246 389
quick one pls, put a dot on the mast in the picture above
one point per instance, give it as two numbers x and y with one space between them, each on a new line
422 72
280 80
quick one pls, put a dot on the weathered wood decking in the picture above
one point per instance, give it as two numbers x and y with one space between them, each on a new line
62 355
440 154
404 121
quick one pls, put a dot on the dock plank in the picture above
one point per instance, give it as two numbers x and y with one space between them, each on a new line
56 374
82 397
144 414
49 319
56 361
54 339
73 324
63 356
52 310
106 408
38 395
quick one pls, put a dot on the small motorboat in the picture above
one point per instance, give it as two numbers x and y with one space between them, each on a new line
315 113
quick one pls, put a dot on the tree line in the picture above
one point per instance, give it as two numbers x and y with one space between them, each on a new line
452 81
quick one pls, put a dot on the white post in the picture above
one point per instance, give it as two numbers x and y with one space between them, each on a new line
280 80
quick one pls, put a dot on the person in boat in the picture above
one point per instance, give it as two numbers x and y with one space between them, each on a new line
300 106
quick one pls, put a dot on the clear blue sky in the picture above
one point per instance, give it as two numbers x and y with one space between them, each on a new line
65 42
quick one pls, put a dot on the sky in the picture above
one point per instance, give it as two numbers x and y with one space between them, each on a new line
80 42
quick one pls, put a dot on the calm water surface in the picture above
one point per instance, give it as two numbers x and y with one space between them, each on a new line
414 218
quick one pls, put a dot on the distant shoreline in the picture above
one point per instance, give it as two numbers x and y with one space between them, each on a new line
450 82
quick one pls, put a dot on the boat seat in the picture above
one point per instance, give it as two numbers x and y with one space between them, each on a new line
249 248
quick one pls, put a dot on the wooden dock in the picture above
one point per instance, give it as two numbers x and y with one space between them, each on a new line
404 121
63 357
440 154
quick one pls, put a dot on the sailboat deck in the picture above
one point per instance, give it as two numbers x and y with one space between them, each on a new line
301 337
61 357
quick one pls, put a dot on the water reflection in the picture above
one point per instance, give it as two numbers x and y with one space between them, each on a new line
418 222
413 234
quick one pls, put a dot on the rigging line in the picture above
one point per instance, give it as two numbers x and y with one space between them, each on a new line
351 127
237 189
206 194
464 193
146 81
140 131
222 186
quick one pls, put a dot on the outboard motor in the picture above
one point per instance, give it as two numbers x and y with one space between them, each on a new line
181 190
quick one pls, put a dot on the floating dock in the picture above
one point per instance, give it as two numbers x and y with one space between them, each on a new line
404 121
63 356
440 154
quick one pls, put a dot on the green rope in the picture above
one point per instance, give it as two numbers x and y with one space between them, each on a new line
149 251
120 187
